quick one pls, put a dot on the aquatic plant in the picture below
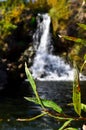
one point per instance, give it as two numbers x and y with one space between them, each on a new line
58 113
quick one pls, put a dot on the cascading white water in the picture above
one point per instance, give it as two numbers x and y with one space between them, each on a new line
46 65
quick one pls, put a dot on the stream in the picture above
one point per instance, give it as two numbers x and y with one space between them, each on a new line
14 108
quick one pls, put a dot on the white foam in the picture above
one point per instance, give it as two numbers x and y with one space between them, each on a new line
47 66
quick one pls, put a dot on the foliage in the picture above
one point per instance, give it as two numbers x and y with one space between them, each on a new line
78 106
46 103
76 40
37 4
77 53
10 16
83 63
32 82
83 107
76 92
66 124
59 10
58 112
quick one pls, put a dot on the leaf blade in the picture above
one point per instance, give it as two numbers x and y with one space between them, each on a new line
76 93
46 103
83 107
83 26
66 124
33 85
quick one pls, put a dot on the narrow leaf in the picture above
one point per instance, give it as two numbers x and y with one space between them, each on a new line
46 103
70 128
78 40
85 57
82 67
83 26
76 93
30 79
32 82
83 107
74 39
65 124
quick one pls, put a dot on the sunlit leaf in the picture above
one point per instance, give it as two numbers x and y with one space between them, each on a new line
55 24
83 107
30 78
83 63
74 39
85 57
78 40
83 26
32 82
52 2
71 128
46 103
76 93
66 124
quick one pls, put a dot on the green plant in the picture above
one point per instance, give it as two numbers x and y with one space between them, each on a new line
59 11
10 16
79 42
78 49
58 112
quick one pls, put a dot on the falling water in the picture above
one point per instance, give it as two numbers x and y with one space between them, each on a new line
47 66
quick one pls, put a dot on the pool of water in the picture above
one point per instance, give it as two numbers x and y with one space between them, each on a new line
13 108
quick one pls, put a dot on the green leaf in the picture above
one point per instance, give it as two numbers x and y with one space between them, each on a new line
74 39
85 57
83 26
32 82
46 103
81 69
83 107
30 78
70 128
66 124
33 20
76 93
79 40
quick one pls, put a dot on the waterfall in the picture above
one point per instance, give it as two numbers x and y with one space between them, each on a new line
45 64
